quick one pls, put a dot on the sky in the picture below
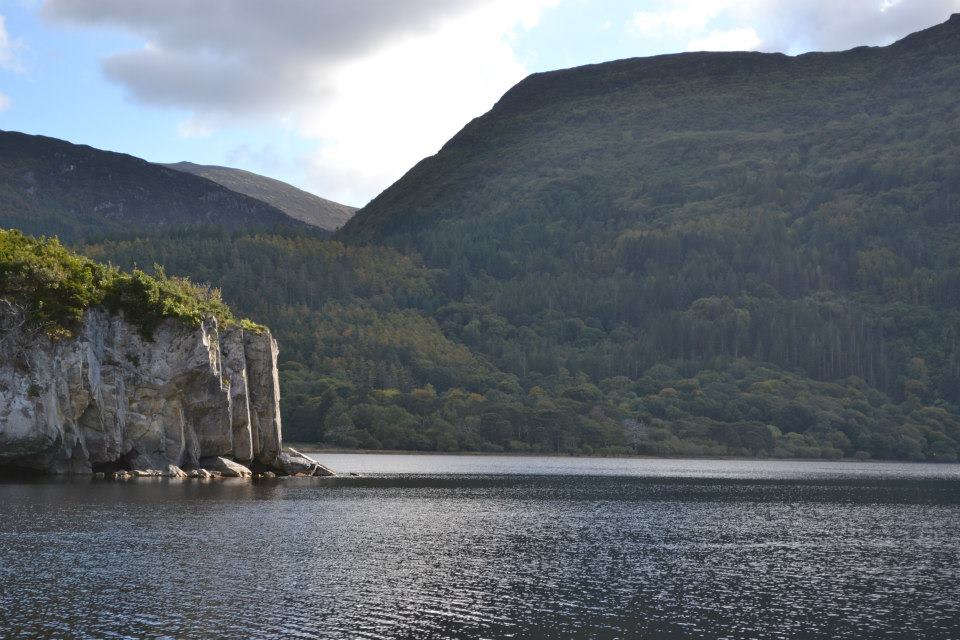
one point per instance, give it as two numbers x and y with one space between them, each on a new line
342 97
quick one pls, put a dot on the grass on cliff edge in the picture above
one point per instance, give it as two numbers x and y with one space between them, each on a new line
56 287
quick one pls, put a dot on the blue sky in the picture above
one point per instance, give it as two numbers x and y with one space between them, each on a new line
342 96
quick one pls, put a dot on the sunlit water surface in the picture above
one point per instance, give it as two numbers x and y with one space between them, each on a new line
491 547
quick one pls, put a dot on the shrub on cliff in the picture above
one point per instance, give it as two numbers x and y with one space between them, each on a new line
56 286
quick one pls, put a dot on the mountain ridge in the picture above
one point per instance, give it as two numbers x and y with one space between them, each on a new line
541 88
51 186
297 203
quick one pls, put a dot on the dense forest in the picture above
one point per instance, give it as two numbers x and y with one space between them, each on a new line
698 254
375 354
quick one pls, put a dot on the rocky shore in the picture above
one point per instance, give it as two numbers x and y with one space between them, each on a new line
294 464
188 402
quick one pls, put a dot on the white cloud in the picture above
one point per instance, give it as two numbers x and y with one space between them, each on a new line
245 56
390 109
790 26
741 39
8 49
5 102
195 127
377 84
826 25
677 17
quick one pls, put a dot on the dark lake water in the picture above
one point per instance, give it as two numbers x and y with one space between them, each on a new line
491 547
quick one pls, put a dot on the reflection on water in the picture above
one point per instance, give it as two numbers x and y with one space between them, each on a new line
464 547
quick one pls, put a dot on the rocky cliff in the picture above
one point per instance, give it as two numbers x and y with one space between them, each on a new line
109 400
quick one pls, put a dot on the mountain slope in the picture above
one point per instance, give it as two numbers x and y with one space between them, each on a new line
50 186
684 128
692 212
296 203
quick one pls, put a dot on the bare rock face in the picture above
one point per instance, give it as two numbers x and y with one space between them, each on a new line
109 400
263 384
235 363
228 468
173 471
293 463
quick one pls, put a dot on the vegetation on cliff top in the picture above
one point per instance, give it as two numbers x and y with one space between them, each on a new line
55 286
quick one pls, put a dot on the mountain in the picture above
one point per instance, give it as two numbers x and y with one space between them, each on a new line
50 186
669 228
296 203
635 140
699 254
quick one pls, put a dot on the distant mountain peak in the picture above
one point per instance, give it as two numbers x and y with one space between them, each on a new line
54 187
296 203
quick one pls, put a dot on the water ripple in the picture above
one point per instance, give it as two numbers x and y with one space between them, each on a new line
472 556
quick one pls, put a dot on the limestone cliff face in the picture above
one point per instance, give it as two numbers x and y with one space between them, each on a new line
109 399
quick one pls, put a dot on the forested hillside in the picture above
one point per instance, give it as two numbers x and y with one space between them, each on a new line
698 211
710 254
374 354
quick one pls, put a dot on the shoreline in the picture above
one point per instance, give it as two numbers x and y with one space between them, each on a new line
307 448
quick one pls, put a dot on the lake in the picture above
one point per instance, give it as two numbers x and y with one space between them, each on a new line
425 546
